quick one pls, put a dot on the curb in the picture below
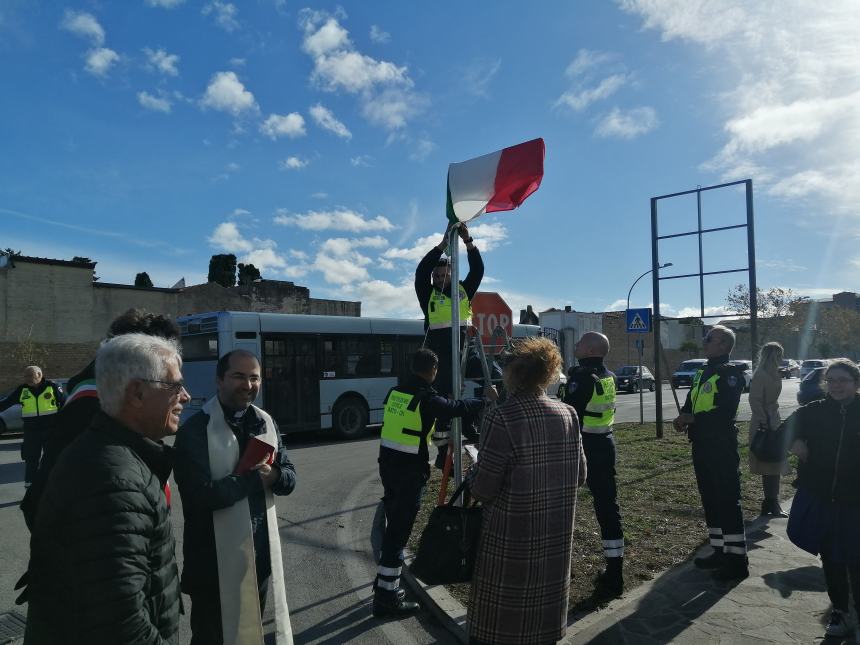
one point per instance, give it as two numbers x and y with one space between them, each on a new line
438 602
451 613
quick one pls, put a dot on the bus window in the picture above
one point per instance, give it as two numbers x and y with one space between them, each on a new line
200 347
386 357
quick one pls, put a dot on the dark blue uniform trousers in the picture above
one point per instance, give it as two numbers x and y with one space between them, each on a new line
600 455
403 477
716 463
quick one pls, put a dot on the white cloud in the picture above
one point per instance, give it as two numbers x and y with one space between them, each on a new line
379 36
338 220
361 160
161 61
227 237
224 13
227 94
237 62
265 259
415 252
627 124
581 98
291 125
319 195
586 60
100 60
325 119
153 103
488 236
422 150
792 106
340 263
84 25
384 299
385 264
478 75
383 88
292 163
167 4
237 212
299 255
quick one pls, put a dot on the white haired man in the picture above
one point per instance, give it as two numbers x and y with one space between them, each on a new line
102 566
708 418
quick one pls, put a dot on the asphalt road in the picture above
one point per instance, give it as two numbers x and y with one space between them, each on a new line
325 534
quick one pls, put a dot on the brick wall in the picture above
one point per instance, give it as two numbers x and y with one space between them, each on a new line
57 360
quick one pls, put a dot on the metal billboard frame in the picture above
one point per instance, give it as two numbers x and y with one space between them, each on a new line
701 273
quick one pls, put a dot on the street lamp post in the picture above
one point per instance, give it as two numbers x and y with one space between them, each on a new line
639 350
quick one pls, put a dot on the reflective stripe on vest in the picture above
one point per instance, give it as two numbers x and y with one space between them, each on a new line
401 422
702 394
600 410
439 310
38 406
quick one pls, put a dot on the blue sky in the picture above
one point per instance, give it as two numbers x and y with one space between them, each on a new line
314 140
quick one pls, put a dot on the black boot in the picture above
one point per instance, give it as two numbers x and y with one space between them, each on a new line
611 581
734 567
388 604
771 507
713 561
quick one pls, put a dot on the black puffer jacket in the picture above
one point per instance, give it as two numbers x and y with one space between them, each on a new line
102 565
832 435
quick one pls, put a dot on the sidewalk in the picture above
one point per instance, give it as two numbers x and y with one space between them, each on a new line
783 601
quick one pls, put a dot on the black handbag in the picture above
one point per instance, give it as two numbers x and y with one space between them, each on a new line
449 543
769 445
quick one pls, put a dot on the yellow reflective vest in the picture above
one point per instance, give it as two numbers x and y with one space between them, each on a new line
702 394
33 406
439 310
601 407
401 422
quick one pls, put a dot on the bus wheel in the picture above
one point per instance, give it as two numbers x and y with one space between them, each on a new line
349 417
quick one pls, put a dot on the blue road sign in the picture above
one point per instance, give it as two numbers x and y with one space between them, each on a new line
639 320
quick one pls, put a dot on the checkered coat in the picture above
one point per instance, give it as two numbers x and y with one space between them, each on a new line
529 467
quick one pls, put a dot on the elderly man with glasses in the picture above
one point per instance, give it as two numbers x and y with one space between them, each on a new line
708 418
103 568
230 461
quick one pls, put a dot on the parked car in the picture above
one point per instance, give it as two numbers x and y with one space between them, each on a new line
555 387
627 378
747 365
789 368
812 364
683 376
811 386
10 419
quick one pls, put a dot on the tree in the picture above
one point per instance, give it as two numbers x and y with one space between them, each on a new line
81 258
838 332
222 269
248 273
10 251
776 302
142 280
29 352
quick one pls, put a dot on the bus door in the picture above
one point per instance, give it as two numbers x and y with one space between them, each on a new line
291 380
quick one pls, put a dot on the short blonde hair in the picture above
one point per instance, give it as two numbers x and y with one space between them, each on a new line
531 364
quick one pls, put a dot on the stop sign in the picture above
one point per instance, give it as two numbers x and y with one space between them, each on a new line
490 313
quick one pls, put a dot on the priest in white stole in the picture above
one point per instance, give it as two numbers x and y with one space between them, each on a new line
230 461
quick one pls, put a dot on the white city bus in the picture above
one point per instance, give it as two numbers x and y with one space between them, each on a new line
329 372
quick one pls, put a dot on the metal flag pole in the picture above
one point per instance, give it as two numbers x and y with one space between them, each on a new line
456 435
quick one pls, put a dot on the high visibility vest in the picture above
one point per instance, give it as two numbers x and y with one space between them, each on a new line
401 422
600 409
33 406
702 394
439 310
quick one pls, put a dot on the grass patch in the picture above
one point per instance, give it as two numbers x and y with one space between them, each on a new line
660 509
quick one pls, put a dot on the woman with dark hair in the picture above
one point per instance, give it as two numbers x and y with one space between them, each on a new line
529 468
825 514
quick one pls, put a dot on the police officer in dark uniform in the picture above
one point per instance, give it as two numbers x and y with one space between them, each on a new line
433 290
591 392
411 412
708 418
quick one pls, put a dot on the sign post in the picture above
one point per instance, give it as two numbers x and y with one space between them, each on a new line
639 322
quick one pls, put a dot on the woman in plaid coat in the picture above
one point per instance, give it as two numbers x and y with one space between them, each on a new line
529 468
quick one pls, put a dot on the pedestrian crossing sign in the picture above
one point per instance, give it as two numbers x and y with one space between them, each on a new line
639 321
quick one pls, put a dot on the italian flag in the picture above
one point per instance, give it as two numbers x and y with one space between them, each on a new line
499 181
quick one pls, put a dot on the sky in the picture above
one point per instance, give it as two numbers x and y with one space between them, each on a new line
314 140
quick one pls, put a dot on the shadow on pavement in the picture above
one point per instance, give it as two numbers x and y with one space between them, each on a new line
807 578
670 606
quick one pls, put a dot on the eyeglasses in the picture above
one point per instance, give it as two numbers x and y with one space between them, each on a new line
174 387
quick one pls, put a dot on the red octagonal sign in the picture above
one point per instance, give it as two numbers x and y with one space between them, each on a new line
491 315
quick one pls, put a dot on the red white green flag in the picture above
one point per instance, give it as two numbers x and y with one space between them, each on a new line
499 181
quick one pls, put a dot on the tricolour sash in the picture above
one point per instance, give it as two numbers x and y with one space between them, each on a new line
234 542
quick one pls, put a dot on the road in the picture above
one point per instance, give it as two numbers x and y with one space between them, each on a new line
628 404
325 533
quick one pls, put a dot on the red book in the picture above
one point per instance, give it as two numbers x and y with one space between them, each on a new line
255 452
